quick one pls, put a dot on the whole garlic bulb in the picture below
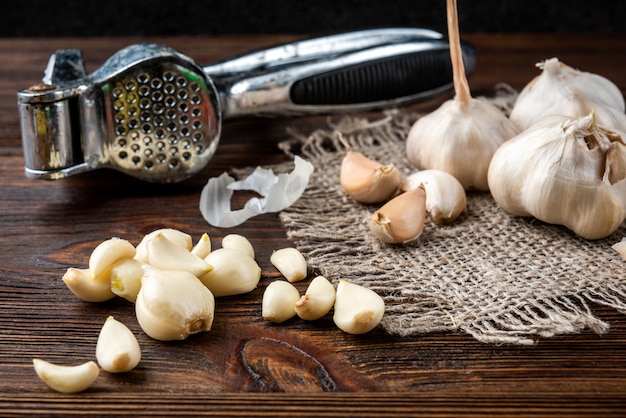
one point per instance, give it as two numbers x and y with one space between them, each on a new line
563 90
564 171
461 136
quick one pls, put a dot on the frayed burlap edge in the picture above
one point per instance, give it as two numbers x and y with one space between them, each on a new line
499 278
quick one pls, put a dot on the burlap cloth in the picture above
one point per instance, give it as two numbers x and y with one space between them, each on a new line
499 278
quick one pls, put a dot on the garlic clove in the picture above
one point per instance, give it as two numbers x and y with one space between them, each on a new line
291 263
401 219
317 301
171 305
233 273
117 349
238 242
66 379
564 172
125 278
164 254
563 90
366 180
445 195
180 238
107 253
620 247
279 299
202 247
90 289
358 309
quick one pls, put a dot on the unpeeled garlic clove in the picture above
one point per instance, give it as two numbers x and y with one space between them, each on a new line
66 379
317 301
279 299
238 242
180 238
107 253
117 349
164 254
445 195
171 305
290 262
233 273
402 218
366 180
125 278
357 309
202 247
90 289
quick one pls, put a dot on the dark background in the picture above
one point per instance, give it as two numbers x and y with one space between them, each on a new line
38 18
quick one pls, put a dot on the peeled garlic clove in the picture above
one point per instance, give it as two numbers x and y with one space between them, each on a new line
563 90
357 309
620 247
317 301
290 262
164 254
202 247
117 349
125 278
402 218
279 300
107 253
565 172
238 242
86 287
445 195
172 305
366 180
180 238
67 379
233 273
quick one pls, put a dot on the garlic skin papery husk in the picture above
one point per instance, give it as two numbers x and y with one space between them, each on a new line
461 136
171 305
563 90
366 180
401 219
564 171
445 196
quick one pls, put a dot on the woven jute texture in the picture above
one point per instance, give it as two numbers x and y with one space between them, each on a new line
499 278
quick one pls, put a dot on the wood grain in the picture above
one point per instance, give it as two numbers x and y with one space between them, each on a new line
246 366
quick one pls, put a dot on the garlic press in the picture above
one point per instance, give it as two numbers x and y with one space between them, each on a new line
153 113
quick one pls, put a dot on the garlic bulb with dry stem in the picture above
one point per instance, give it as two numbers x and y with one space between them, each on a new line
402 218
445 195
366 180
564 171
563 90
461 136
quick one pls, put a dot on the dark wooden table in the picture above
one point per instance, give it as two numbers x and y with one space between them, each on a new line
246 366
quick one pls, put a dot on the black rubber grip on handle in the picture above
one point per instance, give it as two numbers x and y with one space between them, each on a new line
385 79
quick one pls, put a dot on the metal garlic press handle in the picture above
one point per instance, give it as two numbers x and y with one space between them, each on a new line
383 75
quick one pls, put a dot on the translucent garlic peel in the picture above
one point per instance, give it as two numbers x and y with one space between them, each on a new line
117 348
565 172
278 192
366 180
445 195
172 305
563 90
67 379
358 309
